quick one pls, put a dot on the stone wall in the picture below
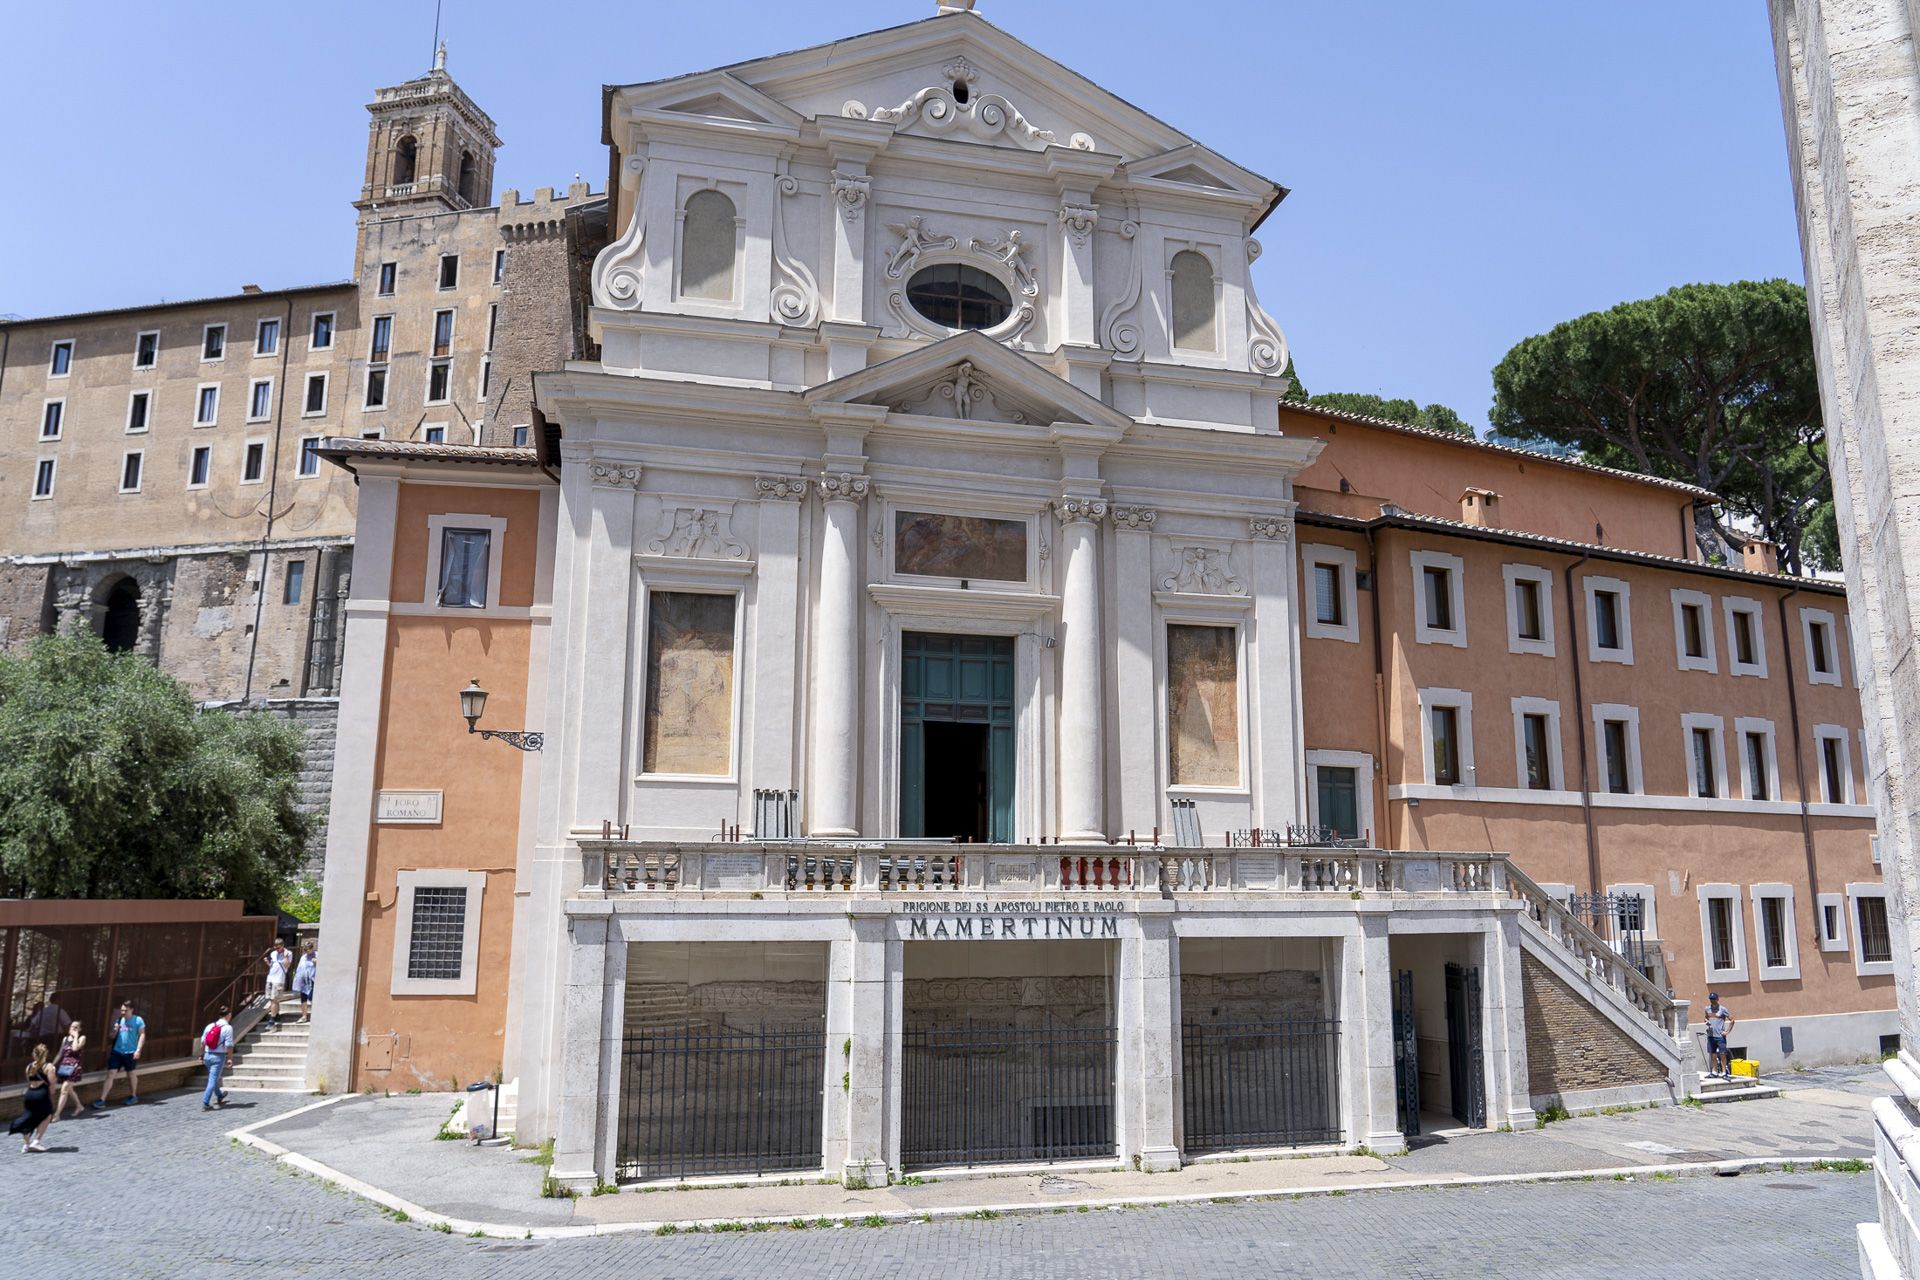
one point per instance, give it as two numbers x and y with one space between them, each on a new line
536 330
317 717
1571 1045
23 602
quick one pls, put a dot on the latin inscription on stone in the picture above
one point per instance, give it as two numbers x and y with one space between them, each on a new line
1259 870
1011 920
400 807
1010 871
734 870
1422 877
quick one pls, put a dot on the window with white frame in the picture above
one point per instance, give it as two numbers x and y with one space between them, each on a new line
139 405
1833 756
439 381
1746 637
53 416
321 338
499 265
1706 755
1332 608
380 340
1636 909
1723 933
1775 947
1759 760
43 478
1439 598
437 932
1340 792
266 337
389 271
522 433
200 467
1529 590
463 560
1830 920
130 464
1446 731
1616 739
260 400
253 466
1609 619
206 409
486 376
309 464
436 435
1823 646
443 333
1536 744
213 342
60 361
1872 934
146 349
315 402
1693 630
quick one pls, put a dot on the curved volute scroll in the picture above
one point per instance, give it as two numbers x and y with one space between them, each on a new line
796 299
1122 334
1266 345
957 107
617 272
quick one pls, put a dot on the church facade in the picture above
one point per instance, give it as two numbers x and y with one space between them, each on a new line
939 740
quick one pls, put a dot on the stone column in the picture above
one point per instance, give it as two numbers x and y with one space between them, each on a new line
865 1066
1082 798
1139 797
1146 1075
836 662
1366 1022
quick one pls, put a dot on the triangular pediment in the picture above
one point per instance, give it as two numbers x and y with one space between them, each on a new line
1194 165
714 95
972 378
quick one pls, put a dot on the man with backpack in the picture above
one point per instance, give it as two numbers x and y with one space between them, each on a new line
216 1042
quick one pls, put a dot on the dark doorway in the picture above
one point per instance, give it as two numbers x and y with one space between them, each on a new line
956 755
120 628
1466 1069
1406 1055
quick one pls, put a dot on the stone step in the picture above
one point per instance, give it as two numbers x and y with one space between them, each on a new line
1739 1090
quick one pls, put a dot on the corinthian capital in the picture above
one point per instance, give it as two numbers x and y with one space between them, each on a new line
1081 510
1136 518
843 486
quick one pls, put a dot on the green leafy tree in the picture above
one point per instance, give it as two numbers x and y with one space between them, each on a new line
1435 417
113 784
1712 384
1298 390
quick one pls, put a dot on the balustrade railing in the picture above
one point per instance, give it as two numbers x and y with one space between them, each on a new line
1597 956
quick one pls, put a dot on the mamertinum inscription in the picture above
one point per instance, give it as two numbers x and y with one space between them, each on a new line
1011 920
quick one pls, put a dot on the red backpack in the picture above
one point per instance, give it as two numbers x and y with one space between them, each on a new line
212 1038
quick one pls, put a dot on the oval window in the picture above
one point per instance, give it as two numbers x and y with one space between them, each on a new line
957 296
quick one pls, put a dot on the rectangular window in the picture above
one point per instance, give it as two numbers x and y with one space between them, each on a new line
382 341
463 568
53 415
1743 649
1331 574
1439 613
1833 770
213 342
1705 775
137 405
436 435
260 400
1693 630
1526 609
388 271
309 455
436 948
493 322
1759 779
1444 725
1819 646
1439 586
1876 941
1328 601
60 363
207 411
520 435
201 468
1203 706
1606 619
1614 744
316 400
499 265
486 376
322 331
146 350
1337 789
266 338
1720 954
1830 925
1533 727
1773 933
442 333
688 727
256 462
43 478
130 471
296 581
376 389
1823 646
449 270
1746 644
439 374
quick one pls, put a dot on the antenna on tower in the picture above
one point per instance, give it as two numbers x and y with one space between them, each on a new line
438 60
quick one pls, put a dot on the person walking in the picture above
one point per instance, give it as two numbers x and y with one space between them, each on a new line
279 963
36 1104
67 1071
123 1054
303 980
216 1042
1719 1023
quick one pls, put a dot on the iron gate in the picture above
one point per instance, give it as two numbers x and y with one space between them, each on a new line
1406 1055
711 1099
1260 1084
1466 1063
998 1094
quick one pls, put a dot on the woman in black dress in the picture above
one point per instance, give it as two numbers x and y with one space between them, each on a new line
38 1102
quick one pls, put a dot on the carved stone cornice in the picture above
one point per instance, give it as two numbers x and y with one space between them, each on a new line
780 488
618 475
1272 528
1080 510
1136 518
842 486
850 192
1079 220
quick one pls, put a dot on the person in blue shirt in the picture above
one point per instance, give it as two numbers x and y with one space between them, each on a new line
129 1041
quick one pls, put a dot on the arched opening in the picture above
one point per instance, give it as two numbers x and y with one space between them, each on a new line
120 625
707 248
1193 327
405 154
466 176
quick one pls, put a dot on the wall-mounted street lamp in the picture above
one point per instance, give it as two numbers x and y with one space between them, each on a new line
473 702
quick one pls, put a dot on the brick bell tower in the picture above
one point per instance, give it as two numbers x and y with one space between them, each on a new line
429 148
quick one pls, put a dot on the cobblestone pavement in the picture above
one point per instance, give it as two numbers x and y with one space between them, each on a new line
160 1191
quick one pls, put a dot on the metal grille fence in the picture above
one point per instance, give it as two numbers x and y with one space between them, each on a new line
1260 1084
707 1099
1000 1094
439 932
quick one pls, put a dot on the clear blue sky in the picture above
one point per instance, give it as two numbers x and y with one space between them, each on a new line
1463 175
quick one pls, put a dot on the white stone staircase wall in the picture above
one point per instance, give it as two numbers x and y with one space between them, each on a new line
270 1060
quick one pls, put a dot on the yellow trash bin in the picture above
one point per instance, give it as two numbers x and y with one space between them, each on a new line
1746 1067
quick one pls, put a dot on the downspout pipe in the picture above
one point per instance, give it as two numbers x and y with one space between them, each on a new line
1581 727
1799 759
273 492
1383 806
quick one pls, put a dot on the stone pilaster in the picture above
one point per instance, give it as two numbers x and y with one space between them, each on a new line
836 661
1082 793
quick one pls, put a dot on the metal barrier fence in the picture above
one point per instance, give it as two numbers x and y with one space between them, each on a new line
705 1099
1260 1084
998 1094
61 962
